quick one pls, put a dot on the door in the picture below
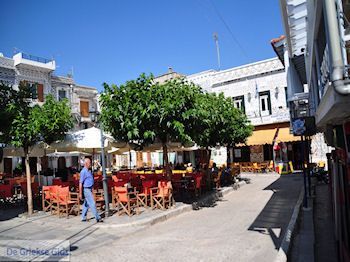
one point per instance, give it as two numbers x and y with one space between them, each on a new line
7 165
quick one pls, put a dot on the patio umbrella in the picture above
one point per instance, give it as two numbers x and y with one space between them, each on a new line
86 140
38 150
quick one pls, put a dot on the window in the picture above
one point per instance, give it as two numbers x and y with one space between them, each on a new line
61 95
36 89
265 103
238 102
84 108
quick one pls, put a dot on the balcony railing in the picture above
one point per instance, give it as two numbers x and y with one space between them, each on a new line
36 58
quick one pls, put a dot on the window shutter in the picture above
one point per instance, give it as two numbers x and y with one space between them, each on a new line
40 92
84 108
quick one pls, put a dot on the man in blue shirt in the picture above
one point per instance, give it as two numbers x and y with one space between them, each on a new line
86 184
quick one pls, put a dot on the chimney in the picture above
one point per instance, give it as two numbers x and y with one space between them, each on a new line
170 70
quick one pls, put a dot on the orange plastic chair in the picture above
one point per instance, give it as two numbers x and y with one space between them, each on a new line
162 196
124 201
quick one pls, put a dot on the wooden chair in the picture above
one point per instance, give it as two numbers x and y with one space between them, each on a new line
68 202
162 196
99 198
124 201
144 197
244 167
255 167
45 197
270 167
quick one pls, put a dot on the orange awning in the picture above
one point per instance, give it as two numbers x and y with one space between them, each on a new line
265 136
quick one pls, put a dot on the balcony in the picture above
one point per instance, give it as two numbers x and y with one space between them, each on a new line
279 115
34 61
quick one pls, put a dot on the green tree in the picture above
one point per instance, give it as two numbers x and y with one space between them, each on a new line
143 111
33 123
221 124
6 98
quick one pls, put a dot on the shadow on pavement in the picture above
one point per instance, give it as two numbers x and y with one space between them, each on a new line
273 220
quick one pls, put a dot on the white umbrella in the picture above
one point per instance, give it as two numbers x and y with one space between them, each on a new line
38 150
86 140
64 154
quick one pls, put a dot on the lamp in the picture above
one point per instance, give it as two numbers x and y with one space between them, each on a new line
94 116
249 96
276 91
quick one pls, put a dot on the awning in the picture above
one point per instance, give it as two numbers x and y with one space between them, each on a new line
266 136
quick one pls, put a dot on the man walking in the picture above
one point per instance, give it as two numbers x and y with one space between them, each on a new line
86 183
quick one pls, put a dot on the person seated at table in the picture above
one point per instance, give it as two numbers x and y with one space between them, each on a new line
213 174
225 175
217 178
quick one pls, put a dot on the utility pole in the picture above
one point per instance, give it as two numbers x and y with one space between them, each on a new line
216 39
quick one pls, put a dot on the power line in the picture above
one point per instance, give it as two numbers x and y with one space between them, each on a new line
228 29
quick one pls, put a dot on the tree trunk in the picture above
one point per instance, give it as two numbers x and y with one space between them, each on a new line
166 161
228 162
208 156
29 183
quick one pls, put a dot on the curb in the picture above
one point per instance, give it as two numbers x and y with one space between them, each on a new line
174 212
282 255
210 199
150 221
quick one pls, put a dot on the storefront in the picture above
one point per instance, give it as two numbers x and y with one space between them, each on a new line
270 142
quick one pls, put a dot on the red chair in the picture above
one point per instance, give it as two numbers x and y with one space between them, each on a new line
145 196
35 188
56 181
5 191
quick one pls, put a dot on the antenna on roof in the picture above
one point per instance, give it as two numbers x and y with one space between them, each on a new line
216 39
71 73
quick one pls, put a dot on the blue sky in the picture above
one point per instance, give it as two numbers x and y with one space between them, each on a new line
114 41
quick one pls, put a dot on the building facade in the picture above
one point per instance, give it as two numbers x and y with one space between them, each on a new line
259 90
316 53
40 72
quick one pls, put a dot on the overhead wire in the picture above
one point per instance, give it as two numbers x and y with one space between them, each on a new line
217 12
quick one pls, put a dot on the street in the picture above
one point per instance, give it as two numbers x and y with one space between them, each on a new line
247 225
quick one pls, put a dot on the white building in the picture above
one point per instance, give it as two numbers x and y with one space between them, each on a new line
40 71
316 52
259 90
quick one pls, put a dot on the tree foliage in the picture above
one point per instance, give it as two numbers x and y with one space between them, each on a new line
30 123
221 124
143 111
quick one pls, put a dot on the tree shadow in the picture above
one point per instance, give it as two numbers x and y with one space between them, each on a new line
273 220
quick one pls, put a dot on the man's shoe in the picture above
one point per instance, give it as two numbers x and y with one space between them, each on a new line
83 220
99 220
